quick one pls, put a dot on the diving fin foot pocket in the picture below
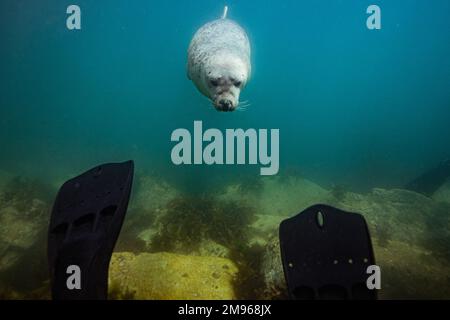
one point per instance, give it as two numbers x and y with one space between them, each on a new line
84 226
325 253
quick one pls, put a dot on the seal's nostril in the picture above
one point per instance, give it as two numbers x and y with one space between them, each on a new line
225 105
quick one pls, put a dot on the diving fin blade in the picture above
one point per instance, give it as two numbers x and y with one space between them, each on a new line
325 254
85 223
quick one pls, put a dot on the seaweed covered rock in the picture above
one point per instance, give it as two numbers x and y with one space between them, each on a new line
274 284
211 227
5 177
170 276
443 193
209 248
411 272
190 221
404 216
24 217
281 196
151 196
20 192
22 221
263 228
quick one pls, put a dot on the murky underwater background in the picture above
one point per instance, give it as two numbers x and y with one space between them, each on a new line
360 113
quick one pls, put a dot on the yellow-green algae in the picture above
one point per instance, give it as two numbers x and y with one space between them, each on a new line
170 276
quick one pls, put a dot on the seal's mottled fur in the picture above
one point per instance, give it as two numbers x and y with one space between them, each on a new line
219 61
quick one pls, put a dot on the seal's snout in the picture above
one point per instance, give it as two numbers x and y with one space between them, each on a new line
224 105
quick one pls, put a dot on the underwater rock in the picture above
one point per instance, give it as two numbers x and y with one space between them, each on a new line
21 191
274 284
411 272
23 235
147 235
5 177
266 224
167 276
404 216
282 196
151 196
263 228
191 220
431 180
19 230
387 208
443 193
206 247
209 248
291 197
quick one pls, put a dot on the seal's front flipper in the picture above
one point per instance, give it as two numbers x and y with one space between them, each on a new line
85 222
325 254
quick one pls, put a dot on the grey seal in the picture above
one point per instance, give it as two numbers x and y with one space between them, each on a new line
219 62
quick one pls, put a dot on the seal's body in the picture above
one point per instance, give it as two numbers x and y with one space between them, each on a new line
219 62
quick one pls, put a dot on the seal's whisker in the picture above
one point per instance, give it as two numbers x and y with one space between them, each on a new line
242 108
244 102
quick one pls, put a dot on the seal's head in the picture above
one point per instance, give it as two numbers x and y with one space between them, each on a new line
224 80
219 62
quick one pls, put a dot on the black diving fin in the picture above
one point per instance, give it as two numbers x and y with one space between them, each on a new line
85 223
325 253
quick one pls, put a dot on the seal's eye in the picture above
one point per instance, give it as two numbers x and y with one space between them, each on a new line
238 83
214 83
